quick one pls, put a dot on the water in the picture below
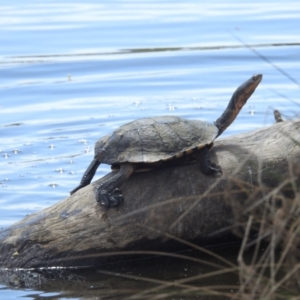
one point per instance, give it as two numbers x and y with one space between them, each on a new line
72 72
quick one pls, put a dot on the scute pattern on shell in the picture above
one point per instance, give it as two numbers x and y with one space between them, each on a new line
150 140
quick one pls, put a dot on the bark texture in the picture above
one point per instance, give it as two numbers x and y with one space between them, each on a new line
176 201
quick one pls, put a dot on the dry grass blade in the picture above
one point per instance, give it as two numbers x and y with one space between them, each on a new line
211 290
190 244
251 48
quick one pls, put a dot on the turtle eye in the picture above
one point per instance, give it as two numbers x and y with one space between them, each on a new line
257 77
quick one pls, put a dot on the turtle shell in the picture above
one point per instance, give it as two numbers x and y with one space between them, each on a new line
151 140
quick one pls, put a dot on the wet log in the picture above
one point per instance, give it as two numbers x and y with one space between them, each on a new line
172 203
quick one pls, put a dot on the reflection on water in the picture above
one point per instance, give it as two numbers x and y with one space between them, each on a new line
72 72
186 275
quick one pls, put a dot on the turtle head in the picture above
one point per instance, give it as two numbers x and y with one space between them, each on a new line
238 100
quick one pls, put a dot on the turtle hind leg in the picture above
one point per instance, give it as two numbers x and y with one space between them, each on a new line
88 175
206 165
108 193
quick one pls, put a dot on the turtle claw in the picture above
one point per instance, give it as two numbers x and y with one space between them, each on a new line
110 200
216 169
76 189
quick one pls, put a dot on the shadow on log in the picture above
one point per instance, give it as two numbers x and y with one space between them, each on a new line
169 203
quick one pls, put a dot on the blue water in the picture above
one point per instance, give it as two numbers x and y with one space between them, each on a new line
72 71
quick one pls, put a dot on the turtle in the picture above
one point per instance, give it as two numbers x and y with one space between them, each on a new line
147 143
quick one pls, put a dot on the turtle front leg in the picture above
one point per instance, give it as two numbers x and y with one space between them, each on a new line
206 165
88 175
108 193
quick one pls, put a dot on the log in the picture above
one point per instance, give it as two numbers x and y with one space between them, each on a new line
172 203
